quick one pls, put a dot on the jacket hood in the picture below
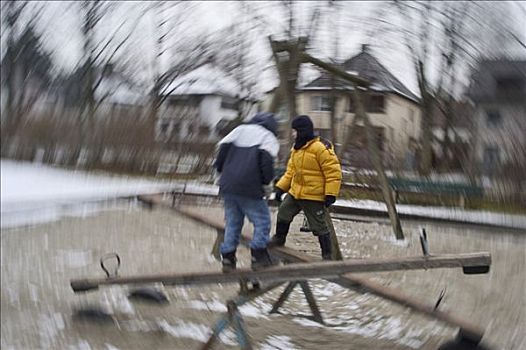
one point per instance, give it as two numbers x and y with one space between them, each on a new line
266 120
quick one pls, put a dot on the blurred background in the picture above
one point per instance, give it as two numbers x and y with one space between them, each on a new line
104 101
150 87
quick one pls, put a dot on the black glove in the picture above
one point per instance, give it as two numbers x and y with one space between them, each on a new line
329 200
278 193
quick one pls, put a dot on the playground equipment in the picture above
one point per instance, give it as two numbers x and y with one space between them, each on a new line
298 268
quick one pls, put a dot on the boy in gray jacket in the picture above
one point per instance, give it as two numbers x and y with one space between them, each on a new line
245 164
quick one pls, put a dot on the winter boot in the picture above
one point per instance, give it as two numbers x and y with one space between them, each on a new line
229 261
278 240
325 245
260 258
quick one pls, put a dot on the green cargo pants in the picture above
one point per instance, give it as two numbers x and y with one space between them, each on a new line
314 211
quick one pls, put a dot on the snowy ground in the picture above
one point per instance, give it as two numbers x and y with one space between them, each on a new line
34 193
448 213
38 261
456 214
38 305
29 182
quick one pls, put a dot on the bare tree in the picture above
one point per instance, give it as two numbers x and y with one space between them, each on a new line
444 35
26 65
99 62
288 64
232 50
334 95
190 53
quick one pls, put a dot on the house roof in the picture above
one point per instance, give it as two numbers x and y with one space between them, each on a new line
205 80
366 66
484 85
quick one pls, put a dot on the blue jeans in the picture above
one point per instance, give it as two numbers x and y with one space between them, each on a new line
257 211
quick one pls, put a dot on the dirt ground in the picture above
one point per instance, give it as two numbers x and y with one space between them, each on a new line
38 305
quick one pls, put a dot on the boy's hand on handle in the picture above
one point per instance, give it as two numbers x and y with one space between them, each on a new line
329 200
278 193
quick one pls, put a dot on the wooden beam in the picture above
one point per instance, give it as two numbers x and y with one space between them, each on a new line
360 113
351 281
288 59
298 271
281 67
283 297
216 249
336 253
334 70
374 152
316 314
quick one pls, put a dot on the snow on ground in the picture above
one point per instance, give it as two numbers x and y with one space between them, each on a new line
449 213
469 216
33 193
27 182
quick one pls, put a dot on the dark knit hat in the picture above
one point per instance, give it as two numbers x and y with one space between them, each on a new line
303 125
305 130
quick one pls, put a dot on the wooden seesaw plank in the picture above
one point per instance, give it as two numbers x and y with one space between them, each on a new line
348 280
299 271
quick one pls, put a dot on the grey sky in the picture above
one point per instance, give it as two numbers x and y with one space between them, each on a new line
61 26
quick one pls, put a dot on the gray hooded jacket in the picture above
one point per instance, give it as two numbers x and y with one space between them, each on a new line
245 161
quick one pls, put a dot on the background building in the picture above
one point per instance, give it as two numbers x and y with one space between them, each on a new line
392 108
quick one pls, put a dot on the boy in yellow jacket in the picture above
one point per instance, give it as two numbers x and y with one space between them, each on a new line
312 181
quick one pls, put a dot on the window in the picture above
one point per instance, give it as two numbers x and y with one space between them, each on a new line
164 127
320 103
491 160
229 103
493 118
510 84
184 101
176 129
375 104
351 105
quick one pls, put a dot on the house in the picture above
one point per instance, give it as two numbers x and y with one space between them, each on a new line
498 92
392 109
459 129
200 104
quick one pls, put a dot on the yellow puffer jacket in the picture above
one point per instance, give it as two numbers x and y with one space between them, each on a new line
313 172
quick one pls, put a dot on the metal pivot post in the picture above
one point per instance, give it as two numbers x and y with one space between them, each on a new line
174 198
424 242
232 318
316 314
217 244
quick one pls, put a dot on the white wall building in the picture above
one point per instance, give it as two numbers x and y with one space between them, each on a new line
199 102
499 94
392 109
